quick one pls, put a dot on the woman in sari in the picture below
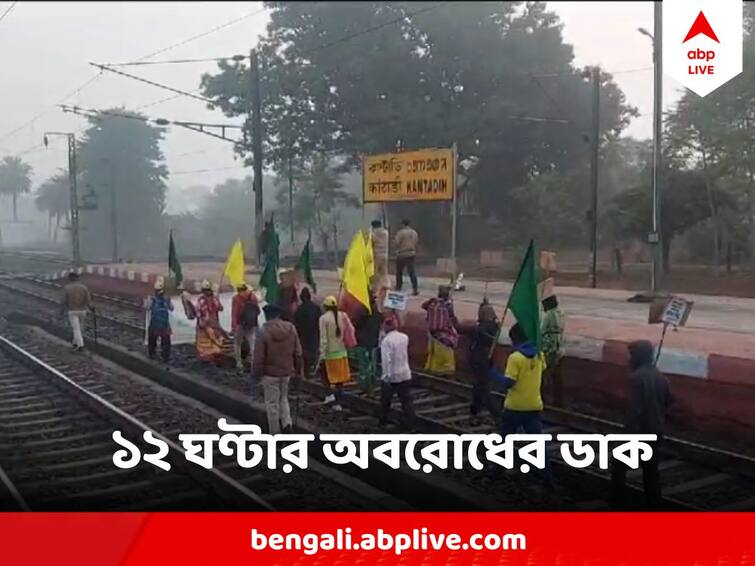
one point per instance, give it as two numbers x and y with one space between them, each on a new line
442 334
211 338
336 332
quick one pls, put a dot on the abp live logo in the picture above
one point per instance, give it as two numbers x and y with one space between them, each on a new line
702 42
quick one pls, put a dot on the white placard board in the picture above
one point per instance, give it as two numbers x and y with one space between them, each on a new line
395 300
676 311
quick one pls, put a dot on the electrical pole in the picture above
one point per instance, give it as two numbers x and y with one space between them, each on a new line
291 195
113 213
656 236
255 119
74 200
72 193
454 214
594 157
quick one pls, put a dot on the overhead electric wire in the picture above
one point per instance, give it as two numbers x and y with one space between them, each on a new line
576 72
203 34
153 83
7 10
206 170
377 27
61 101
148 56
160 101
178 61
93 112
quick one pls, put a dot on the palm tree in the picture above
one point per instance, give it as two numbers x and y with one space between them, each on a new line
15 178
52 197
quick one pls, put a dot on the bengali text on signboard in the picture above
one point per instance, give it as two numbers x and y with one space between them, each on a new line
426 174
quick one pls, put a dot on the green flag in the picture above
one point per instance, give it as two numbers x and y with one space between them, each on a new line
304 265
523 301
174 266
269 277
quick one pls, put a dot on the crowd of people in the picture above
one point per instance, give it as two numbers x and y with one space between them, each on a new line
303 339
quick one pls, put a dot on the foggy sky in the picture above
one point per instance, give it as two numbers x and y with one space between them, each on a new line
45 49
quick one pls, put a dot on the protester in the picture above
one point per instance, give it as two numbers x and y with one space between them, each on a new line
245 312
277 358
648 400
405 242
75 302
552 332
288 298
307 322
522 380
396 374
380 239
159 308
367 329
442 334
210 335
334 327
483 336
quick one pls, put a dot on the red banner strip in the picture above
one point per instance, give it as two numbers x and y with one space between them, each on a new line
567 539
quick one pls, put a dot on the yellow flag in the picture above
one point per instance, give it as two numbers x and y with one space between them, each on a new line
234 265
355 279
369 256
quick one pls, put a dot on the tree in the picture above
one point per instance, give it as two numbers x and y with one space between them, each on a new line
684 204
425 74
227 214
53 197
320 202
716 136
15 179
120 161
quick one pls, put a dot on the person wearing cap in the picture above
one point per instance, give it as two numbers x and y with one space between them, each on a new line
209 307
75 303
245 310
159 307
334 326
210 335
395 372
552 332
277 358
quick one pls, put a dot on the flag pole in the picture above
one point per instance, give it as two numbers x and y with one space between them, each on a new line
498 334
660 344
222 273
530 247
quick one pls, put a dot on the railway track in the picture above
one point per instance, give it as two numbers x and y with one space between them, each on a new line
695 476
80 449
56 449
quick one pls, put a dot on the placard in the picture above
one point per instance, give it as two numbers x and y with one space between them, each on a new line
395 300
676 311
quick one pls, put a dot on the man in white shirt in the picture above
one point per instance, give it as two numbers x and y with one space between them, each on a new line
396 374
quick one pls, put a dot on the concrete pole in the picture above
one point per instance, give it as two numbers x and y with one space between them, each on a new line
656 236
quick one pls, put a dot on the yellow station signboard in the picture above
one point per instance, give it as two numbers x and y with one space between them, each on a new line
425 174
